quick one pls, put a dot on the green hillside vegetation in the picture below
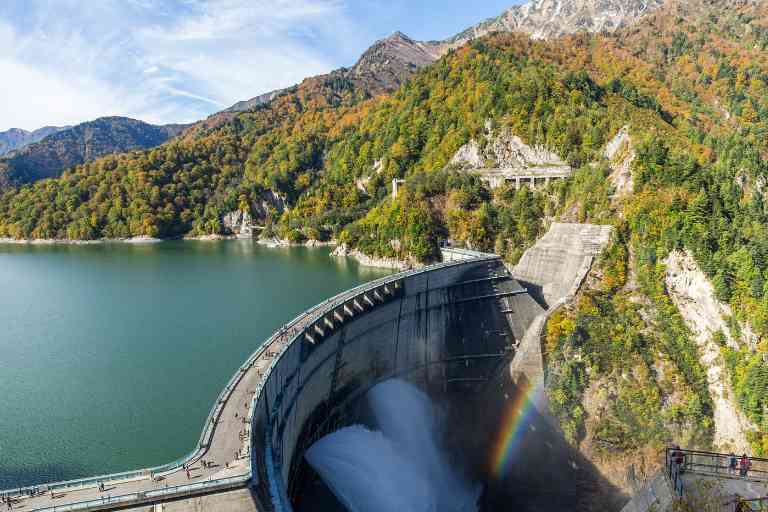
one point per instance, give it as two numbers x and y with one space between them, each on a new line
692 89
82 143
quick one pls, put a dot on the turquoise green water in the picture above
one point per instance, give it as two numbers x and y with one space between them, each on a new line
112 355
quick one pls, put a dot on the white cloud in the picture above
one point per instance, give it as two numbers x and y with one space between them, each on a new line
160 60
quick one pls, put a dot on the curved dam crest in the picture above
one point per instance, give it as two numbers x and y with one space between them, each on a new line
455 330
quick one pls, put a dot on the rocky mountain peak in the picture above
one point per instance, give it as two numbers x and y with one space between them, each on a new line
392 60
399 48
397 35
546 19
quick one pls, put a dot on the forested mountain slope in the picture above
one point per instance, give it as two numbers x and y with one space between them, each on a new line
382 68
16 138
390 61
687 90
82 143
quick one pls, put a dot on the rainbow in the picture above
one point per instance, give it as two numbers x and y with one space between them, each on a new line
519 409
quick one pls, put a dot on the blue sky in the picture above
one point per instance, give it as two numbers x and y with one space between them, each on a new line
68 61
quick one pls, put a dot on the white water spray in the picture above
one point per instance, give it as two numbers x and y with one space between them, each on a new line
400 468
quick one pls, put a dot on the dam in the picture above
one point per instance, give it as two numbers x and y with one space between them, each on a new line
464 331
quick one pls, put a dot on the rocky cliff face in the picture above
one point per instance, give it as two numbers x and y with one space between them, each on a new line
620 154
263 99
694 297
79 144
505 150
16 138
545 19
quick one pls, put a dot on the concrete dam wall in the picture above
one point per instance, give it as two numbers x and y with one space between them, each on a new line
450 328
557 264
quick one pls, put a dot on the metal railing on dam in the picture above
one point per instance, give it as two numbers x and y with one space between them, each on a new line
310 327
291 407
147 497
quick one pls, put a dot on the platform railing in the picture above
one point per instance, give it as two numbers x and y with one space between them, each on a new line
719 465
119 501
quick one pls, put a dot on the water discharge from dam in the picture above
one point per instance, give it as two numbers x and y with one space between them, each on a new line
400 467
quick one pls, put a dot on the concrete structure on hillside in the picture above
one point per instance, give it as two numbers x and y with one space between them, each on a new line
464 328
531 177
656 496
553 270
558 263
396 187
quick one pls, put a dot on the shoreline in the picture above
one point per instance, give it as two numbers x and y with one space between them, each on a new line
272 242
54 241
340 251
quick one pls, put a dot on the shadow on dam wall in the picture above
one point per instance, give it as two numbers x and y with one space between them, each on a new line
543 471
534 468
453 335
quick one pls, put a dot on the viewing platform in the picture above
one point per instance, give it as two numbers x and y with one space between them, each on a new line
707 481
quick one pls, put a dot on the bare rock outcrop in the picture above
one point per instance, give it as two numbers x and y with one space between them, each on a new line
546 19
620 153
372 261
505 151
242 223
704 315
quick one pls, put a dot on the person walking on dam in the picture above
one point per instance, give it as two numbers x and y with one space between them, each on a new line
732 463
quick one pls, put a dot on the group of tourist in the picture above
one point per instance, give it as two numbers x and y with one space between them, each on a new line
9 501
741 465
744 464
